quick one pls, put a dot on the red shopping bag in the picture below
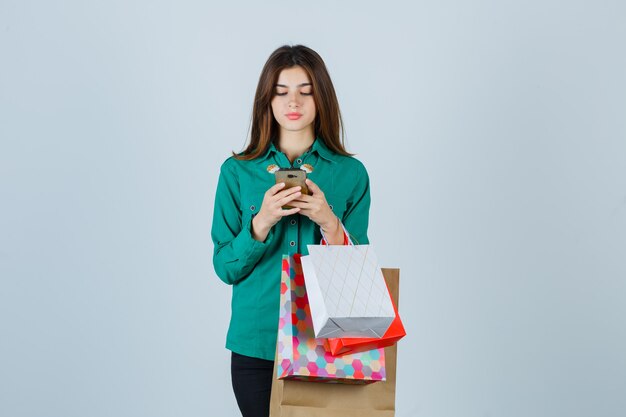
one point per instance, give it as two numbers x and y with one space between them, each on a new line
343 345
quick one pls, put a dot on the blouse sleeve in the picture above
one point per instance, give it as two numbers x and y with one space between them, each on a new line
355 220
356 216
235 251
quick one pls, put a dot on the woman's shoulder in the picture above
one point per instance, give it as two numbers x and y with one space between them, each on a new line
233 163
350 163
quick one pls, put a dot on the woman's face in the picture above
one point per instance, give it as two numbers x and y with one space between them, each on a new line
293 105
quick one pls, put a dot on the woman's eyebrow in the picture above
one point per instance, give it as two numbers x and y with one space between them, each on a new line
299 85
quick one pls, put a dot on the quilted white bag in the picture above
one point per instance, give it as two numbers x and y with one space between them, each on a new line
347 293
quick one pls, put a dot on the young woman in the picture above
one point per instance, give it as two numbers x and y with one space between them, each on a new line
296 124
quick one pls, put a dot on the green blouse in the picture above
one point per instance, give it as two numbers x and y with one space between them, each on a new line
253 268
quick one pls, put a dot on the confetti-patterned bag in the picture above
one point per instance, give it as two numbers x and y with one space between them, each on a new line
300 355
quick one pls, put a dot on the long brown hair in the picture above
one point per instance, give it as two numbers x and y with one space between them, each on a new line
328 121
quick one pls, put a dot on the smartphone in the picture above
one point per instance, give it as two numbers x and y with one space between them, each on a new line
292 177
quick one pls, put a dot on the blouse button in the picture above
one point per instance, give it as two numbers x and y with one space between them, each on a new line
293 221
299 161
252 207
292 243
331 206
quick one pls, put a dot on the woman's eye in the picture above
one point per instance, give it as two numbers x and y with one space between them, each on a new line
304 94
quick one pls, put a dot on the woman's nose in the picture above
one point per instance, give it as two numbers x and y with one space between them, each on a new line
293 100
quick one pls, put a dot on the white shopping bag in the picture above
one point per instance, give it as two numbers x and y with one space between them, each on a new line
347 293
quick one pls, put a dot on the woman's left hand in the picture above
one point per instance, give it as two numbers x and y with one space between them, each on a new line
316 208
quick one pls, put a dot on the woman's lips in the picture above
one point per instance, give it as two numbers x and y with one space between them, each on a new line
293 116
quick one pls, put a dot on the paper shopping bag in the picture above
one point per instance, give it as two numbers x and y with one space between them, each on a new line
308 399
300 355
347 291
395 332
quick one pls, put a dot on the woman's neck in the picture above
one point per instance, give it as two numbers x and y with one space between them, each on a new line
294 144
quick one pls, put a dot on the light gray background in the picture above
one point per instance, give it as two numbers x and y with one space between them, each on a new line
494 133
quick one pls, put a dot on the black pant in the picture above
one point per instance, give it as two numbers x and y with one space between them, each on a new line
252 383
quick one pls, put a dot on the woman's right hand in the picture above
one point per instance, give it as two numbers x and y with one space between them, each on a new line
271 210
